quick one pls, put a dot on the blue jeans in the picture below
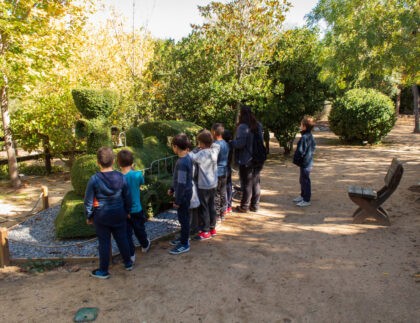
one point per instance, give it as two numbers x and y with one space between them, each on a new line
119 232
184 220
305 183
136 223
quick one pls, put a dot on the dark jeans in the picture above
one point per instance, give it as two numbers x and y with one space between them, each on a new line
119 232
229 190
136 223
207 210
221 196
250 186
305 183
184 220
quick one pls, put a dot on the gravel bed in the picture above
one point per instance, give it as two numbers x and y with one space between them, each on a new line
35 238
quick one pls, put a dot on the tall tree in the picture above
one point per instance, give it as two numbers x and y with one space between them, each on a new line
370 43
32 39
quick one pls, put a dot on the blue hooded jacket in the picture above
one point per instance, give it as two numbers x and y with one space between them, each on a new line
111 191
304 153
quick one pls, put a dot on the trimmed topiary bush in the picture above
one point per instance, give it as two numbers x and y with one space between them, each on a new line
362 115
164 130
98 138
83 168
134 138
71 220
95 103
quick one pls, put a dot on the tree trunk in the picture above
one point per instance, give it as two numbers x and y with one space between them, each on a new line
8 140
398 101
416 107
47 155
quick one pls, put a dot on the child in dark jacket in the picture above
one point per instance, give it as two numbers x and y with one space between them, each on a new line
182 191
303 158
107 205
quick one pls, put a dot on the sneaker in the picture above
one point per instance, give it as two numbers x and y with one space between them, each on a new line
303 203
176 242
181 248
129 266
146 249
133 258
229 210
97 273
213 232
240 209
253 209
298 199
203 236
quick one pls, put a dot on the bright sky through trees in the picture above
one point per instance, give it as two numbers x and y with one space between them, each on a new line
172 18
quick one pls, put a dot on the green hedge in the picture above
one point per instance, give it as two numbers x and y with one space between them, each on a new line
71 220
95 103
98 138
362 115
83 168
134 138
164 130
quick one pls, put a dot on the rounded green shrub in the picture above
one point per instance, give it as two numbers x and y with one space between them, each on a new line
134 137
82 128
98 138
71 220
82 169
362 115
95 103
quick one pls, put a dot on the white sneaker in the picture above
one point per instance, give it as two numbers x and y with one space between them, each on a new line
303 203
145 250
133 258
298 199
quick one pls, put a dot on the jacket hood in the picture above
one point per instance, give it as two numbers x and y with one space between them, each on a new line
113 181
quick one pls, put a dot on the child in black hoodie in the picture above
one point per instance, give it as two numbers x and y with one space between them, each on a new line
107 205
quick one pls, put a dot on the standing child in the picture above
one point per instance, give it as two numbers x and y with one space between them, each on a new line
182 191
206 160
107 205
227 136
303 158
137 218
217 131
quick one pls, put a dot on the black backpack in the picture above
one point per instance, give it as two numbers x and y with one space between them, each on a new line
259 153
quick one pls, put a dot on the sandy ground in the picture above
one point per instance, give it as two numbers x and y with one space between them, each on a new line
284 264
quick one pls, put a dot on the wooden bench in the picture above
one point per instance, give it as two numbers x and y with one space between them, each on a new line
370 201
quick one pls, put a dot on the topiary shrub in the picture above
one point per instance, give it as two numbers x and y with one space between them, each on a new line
134 137
164 130
83 168
154 197
98 138
95 103
362 115
71 220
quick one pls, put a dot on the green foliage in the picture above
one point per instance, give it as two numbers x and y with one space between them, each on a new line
164 130
362 115
134 137
95 103
83 168
71 220
82 128
40 266
98 138
295 88
154 197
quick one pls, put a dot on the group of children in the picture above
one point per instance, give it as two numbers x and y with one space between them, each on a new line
112 198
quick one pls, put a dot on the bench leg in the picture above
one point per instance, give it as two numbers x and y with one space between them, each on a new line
369 208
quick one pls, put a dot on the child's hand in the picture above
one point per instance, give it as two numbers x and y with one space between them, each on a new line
170 192
176 206
89 221
128 216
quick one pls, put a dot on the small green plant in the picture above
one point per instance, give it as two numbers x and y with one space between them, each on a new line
362 115
40 266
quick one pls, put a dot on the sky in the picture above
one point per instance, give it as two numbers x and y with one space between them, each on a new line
172 18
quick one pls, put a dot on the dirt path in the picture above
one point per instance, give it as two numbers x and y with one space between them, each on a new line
284 264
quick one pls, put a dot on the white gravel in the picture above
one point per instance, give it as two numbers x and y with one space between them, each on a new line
35 238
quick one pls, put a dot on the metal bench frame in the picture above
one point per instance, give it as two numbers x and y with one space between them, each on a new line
370 202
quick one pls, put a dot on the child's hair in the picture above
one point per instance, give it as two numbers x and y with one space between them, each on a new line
125 158
105 156
218 129
181 141
308 122
205 138
227 135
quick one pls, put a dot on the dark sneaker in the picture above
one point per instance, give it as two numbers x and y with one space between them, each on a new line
97 273
146 249
253 209
176 242
213 232
181 248
129 266
203 236
239 209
